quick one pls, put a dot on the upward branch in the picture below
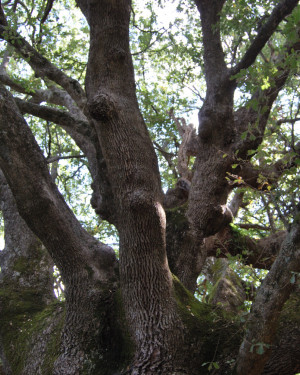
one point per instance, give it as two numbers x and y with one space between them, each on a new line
283 9
42 67
39 201
274 291
259 116
214 63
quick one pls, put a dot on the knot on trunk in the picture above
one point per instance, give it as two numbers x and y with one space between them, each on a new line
140 199
117 54
102 107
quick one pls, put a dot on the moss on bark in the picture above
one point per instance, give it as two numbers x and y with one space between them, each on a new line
212 335
29 329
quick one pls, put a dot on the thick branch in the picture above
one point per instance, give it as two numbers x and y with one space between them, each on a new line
84 135
22 244
259 253
53 95
135 180
42 67
214 63
39 202
271 296
282 10
254 121
6 80
56 116
264 176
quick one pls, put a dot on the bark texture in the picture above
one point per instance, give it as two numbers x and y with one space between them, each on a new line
132 316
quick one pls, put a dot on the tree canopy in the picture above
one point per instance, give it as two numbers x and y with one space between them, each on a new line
149 151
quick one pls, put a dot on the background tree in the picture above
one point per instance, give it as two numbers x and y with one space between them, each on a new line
114 112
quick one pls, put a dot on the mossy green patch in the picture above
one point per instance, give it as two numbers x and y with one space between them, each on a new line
291 310
24 317
21 265
209 331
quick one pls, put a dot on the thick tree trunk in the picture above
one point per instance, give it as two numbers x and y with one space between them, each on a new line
145 277
84 263
30 316
34 331
152 325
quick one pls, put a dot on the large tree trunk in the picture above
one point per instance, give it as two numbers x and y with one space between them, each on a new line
84 263
146 281
26 295
130 316
34 333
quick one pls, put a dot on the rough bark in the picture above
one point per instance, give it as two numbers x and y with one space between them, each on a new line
172 333
26 291
219 137
83 262
273 293
134 178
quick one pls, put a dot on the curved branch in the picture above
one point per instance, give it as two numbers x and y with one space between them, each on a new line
6 80
56 116
40 203
84 135
48 8
52 95
282 10
42 67
258 118
258 253
262 177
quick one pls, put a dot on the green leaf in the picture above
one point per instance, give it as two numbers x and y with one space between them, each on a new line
293 279
260 349
216 365
244 135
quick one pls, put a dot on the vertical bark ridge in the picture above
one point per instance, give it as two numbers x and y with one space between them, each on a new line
147 287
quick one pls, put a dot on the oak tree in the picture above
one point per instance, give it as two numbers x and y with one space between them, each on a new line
207 209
